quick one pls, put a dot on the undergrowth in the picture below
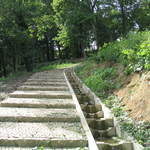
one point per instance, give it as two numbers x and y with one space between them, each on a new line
55 65
133 52
140 130
100 80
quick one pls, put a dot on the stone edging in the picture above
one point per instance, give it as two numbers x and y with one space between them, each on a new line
107 112
91 142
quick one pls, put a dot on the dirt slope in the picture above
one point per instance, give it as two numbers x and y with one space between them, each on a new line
135 96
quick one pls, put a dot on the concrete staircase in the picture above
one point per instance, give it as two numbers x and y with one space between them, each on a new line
41 113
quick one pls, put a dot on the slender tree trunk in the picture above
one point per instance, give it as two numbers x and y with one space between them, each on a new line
123 15
47 48
28 63
52 52
81 44
3 63
14 63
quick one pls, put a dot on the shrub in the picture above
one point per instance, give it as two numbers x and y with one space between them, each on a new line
133 51
101 81
110 52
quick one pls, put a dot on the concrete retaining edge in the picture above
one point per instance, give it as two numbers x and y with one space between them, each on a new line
107 112
91 142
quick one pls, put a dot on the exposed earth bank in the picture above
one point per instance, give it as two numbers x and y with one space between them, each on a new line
135 96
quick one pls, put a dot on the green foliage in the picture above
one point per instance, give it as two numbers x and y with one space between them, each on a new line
56 66
73 24
110 52
102 82
99 80
138 56
85 69
139 130
133 52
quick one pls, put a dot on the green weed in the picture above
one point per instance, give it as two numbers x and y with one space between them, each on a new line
99 80
56 66
139 130
133 52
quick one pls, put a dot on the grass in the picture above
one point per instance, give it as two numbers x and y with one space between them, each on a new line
56 66
100 80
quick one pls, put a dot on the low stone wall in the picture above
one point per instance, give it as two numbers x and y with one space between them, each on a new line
107 112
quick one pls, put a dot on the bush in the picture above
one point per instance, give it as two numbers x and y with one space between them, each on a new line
110 52
101 81
133 51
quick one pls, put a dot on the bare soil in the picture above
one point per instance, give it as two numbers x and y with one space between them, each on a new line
135 95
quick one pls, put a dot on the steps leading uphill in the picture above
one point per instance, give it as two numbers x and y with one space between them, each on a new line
47 113
41 113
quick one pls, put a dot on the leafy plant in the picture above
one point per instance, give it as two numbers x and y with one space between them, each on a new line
139 130
133 52
101 81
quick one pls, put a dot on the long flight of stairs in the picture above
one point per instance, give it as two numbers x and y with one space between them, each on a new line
41 113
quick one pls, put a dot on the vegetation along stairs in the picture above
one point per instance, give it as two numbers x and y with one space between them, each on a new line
49 112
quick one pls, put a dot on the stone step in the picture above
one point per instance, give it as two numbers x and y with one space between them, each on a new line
102 134
41 148
97 115
46 80
46 83
53 135
38 115
47 76
37 103
115 144
58 74
91 108
100 124
43 88
41 94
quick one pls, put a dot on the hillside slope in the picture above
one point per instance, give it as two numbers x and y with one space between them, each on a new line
135 96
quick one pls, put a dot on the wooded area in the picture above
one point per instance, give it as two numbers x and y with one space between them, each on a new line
35 31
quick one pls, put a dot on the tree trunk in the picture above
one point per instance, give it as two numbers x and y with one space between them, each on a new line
3 63
52 53
28 63
14 63
47 48
123 15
